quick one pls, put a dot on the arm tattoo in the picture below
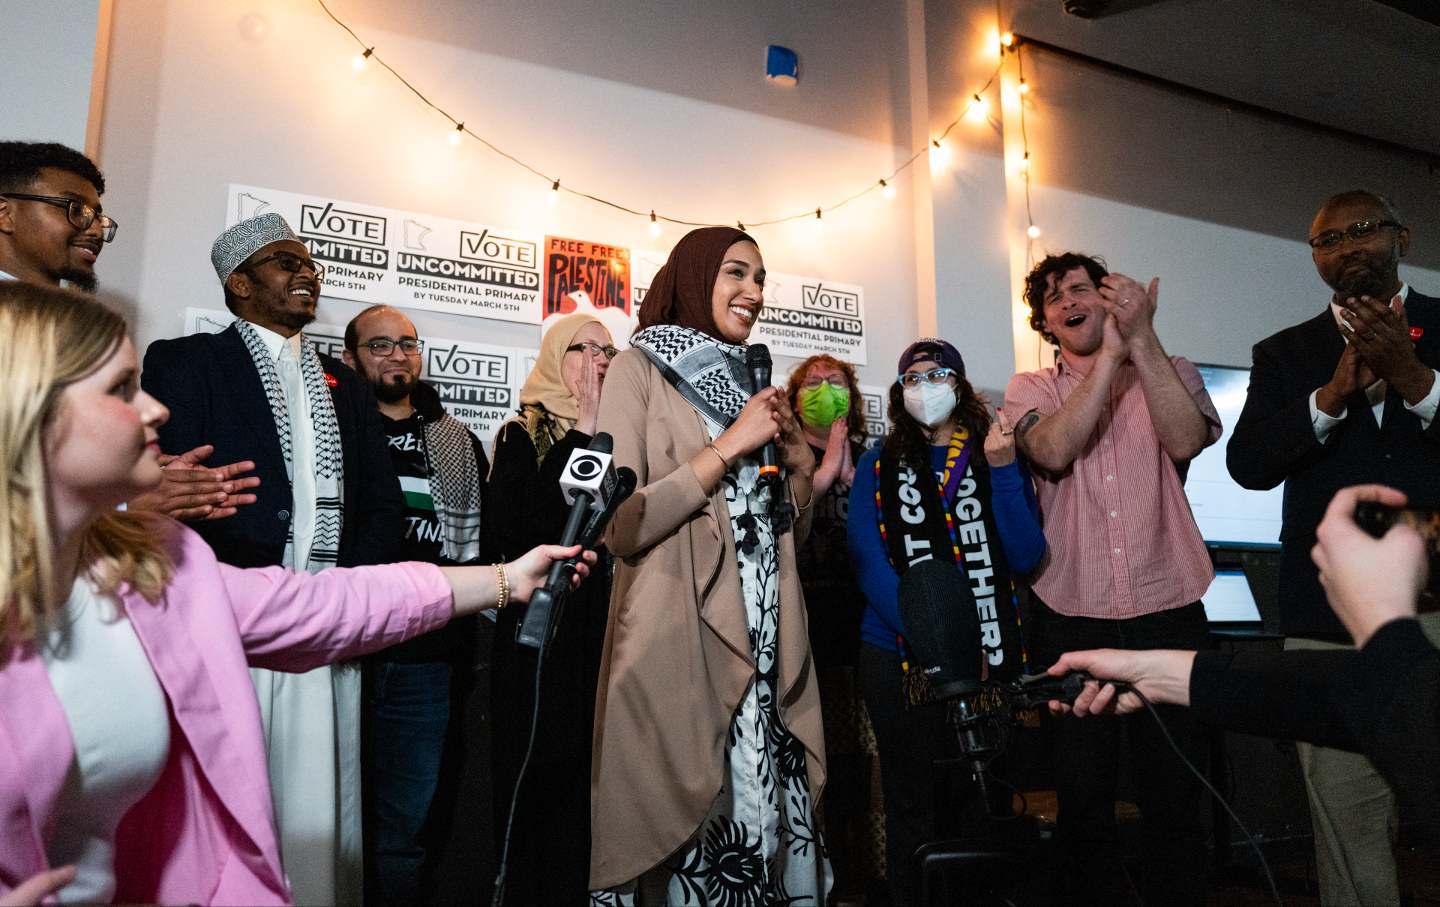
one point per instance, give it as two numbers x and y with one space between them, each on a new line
1027 422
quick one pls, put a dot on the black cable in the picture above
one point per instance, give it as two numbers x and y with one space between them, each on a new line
498 899
1249 838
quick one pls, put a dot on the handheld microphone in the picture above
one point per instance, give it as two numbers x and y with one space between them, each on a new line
625 482
588 482
757 359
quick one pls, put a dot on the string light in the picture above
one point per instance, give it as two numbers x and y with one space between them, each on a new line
979 107
938 152
1032 231
1023 87
1025 163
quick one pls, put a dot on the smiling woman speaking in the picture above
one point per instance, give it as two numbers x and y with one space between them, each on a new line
708 742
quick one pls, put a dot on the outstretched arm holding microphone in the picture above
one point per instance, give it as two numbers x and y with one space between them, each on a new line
1382 700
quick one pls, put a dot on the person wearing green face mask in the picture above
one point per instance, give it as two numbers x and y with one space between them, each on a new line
825 394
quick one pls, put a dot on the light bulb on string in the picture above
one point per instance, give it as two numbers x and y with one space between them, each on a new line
553 195
1032 231
1007 41
979 107
654 224
1023 87
887 190
1025 163
819 221
939 155
457 134
362 60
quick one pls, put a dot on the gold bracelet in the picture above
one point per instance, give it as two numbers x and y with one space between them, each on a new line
711 446
504 586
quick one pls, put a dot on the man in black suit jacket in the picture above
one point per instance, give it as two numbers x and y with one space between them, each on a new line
258 392
1344 398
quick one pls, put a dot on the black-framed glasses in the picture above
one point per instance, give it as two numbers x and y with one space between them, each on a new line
80 215
1359 231
593 348
291 263
933 376
381 347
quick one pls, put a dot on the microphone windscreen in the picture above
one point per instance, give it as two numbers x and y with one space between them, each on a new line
757 354
602 443
942 627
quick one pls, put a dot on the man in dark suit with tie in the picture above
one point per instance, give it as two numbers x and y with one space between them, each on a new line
259 391
1346 397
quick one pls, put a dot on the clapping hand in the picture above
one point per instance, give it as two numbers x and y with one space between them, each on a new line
189 491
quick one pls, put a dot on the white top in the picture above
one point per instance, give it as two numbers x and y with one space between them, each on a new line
286 351
1424 408
120 725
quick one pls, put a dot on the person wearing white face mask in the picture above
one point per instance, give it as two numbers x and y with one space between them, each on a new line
924 494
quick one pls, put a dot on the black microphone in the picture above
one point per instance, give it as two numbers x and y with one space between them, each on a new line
942 627
625 482
757 359
589 481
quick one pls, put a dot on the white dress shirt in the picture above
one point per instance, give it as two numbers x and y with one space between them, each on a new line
286 351
1324 423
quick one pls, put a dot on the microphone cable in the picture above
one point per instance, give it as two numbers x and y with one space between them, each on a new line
498 899
1121 687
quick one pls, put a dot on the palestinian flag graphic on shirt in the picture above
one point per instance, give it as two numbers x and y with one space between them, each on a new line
417 493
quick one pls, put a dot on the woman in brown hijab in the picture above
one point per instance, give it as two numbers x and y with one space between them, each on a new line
708 744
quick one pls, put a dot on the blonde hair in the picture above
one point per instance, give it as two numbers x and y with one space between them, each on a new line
53 338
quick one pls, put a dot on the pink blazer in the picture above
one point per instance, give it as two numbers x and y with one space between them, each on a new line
205 834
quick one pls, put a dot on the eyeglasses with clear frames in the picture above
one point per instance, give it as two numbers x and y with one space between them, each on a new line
380 347
1359 231
593 348
815 381
933 376
80 215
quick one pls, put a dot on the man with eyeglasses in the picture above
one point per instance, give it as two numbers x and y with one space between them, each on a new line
1343 398
328 496
407 689
1108 431
52 228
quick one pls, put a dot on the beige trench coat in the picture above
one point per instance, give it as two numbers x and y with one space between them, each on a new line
676 660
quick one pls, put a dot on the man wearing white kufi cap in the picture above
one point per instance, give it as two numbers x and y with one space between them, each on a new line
328 496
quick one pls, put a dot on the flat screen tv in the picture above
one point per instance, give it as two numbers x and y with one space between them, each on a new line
1230 516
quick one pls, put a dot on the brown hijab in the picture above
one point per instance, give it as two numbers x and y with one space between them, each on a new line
682 288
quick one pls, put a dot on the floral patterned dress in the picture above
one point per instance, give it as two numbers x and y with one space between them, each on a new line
760 843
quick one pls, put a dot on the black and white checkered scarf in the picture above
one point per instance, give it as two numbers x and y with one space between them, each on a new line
709 374
329 461
455 487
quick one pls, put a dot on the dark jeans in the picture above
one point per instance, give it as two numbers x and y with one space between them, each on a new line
406 707
1087 764
909 743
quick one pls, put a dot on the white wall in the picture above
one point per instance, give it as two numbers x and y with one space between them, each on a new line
203 95
46 68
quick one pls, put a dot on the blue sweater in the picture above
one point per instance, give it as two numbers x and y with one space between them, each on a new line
1016 517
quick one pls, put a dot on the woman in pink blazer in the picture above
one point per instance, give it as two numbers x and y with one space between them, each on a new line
177 815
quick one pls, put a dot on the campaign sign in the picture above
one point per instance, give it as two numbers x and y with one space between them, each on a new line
405 258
